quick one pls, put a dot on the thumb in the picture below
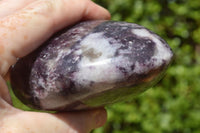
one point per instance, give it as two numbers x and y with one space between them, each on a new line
84 121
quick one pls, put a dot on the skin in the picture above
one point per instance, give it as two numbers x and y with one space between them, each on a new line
24 25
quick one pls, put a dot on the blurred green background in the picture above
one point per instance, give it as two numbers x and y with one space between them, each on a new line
173 105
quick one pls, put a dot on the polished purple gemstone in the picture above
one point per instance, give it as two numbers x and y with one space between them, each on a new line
92 64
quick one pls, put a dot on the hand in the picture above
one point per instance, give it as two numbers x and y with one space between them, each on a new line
24 25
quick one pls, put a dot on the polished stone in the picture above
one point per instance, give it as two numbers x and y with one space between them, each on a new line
92 64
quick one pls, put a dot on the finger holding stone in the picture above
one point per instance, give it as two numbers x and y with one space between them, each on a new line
24 31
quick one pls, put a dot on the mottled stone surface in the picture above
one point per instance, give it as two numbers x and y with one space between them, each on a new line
92 64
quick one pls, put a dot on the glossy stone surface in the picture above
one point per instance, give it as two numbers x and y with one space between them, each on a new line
92 64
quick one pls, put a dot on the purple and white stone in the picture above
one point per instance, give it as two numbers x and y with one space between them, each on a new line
92 64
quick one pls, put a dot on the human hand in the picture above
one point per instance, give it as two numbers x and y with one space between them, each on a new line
24 25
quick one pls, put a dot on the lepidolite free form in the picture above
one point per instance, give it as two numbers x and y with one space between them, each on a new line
92 64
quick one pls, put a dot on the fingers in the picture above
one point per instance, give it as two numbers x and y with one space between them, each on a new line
17 121
22 32
84 121
8 7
